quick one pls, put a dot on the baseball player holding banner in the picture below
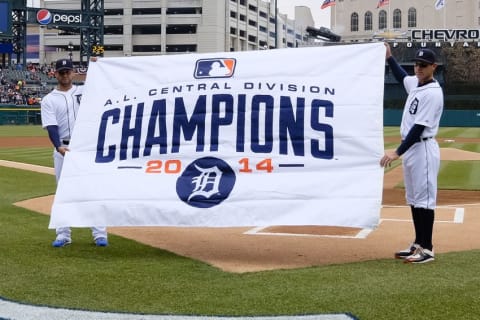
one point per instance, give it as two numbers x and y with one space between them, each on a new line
59 111
421 153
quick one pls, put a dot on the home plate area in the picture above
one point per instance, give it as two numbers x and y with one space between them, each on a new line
444 214
389 213
251 249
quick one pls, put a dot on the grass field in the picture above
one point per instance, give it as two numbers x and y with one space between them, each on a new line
130 277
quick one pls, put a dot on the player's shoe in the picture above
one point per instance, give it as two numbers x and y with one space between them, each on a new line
58 243
407 252
421 255
101 242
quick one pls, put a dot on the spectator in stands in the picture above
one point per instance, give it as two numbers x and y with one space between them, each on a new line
26 87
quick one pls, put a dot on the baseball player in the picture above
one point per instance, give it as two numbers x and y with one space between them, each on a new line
59 110
420 150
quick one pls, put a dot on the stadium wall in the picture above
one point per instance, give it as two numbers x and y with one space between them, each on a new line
15 115
450 118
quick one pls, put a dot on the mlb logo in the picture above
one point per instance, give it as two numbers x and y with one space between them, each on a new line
214 68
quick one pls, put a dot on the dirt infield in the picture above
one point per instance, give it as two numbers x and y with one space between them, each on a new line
281 247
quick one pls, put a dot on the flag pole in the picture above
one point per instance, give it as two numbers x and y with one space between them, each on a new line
389 17
276 27
335 17
445 15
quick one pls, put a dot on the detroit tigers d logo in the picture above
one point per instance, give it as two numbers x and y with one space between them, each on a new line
413 107
206 182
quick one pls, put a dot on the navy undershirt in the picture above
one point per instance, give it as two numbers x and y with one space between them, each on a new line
54 136
412 137
416 131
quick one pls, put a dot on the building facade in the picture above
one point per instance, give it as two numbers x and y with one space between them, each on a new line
452 30
361 20
146 27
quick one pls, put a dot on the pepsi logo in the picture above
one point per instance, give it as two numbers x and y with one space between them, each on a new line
44 17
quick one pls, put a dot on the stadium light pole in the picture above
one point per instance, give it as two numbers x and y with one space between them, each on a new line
70 49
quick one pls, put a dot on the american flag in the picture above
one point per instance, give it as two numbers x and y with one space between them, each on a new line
327 3
439 4
382 3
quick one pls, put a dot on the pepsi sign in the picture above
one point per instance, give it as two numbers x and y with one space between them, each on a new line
46 17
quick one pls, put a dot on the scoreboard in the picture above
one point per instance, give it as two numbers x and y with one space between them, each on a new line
5 19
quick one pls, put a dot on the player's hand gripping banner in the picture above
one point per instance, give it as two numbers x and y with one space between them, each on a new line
274 137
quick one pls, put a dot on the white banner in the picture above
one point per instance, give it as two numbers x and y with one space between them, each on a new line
274 137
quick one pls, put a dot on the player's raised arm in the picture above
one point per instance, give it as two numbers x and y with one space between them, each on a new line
398 72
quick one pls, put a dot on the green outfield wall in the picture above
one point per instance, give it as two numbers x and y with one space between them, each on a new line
450 118
19 115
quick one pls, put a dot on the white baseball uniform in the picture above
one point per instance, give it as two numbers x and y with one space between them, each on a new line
60 108
421 162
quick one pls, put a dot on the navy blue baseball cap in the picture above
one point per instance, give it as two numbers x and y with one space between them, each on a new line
63 64
425 55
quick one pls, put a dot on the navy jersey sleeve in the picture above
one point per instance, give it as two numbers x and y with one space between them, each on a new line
53 135
398 72
412 137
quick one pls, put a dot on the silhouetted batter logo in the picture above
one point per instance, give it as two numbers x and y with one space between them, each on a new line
206 182
44 17
214 68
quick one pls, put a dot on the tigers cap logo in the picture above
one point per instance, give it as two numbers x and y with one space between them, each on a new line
214 68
